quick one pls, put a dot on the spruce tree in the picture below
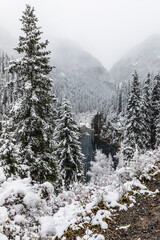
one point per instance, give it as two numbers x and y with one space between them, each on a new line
147 110
8 153
32 111
155 110
125 94
158 131
68 151
134 126
119 100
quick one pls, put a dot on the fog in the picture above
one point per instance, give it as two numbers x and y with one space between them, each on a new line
105 28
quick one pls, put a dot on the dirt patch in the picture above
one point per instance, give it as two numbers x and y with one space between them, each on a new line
142 220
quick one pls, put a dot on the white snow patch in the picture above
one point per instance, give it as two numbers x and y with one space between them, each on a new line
98 219
3 237
47 226
2 176
66 216
3 214
124 227
135 182
20 219
28 85
92 236
31 200
13 187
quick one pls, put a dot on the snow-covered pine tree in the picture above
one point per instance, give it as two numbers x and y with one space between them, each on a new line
134 136
123 97
68 151
147 110
8 152
158 131
33 107
119 100
5 87
155 110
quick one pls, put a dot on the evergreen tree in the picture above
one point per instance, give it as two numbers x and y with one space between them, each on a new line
147 110
134 127
125 94
155 110
8 152
158 131
68 151
119 100
32 113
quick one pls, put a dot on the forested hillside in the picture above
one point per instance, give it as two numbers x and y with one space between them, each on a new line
76 74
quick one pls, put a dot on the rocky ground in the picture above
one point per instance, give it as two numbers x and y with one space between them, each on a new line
139 222
143 219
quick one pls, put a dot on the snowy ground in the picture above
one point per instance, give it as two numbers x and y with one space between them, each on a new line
29 211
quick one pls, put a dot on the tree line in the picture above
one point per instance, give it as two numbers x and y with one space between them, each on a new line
136 106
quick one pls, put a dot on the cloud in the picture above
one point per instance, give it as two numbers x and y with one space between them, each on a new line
105 28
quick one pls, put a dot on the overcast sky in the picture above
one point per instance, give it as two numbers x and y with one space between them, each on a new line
105 28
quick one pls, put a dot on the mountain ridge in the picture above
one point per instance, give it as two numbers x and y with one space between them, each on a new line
77 75
144 57
84 80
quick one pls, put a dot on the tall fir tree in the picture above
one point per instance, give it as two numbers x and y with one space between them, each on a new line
8 153
32 110
119 100
125 95
147 110
155 110
134 127
68 151
158 131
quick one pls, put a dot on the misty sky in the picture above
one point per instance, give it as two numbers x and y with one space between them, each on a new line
105 28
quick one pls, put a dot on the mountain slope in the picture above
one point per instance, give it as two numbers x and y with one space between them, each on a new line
144 58
79 76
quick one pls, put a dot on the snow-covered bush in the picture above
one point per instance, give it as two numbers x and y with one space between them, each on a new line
32 211
100 169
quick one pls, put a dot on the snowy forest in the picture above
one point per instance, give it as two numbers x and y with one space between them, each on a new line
71 155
